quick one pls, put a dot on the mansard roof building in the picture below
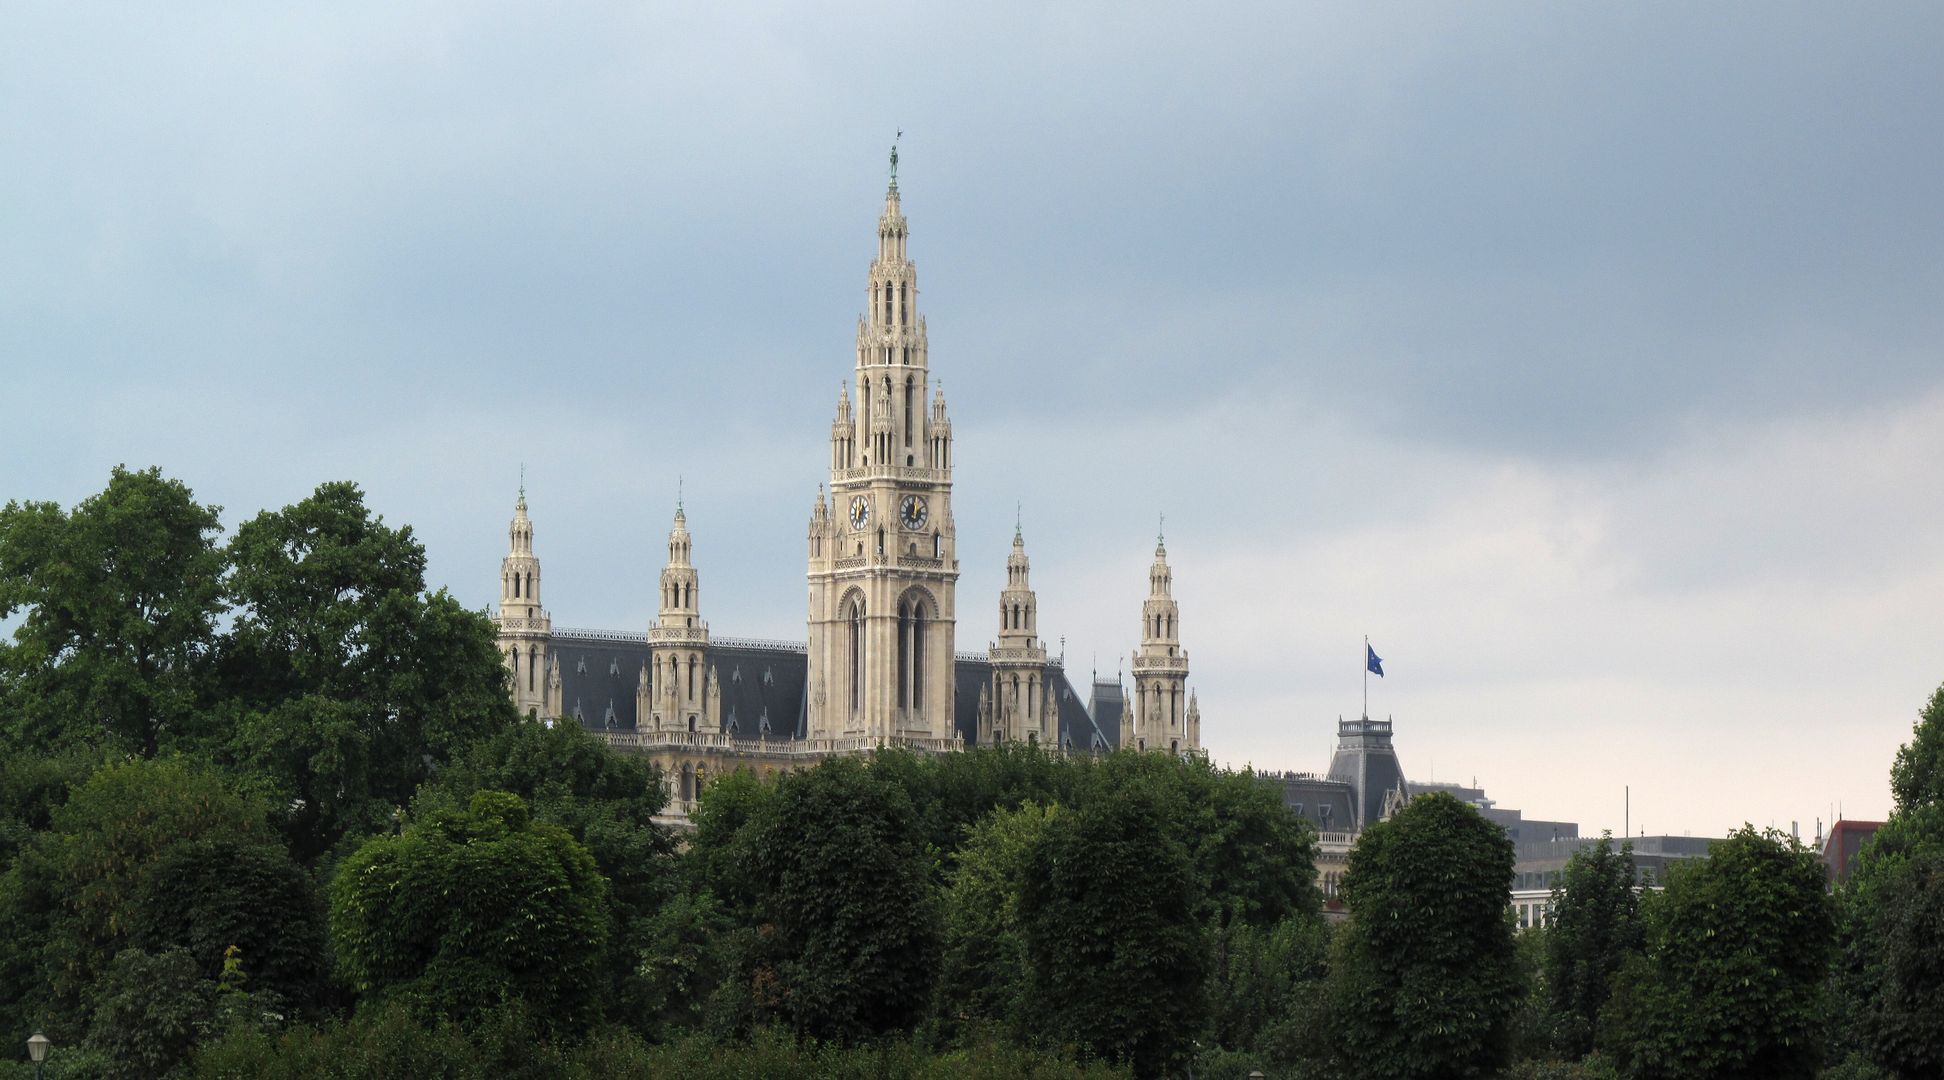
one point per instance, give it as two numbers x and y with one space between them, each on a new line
879 666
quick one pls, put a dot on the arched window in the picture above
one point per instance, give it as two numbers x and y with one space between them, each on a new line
533 667
691 678
904 308
918 655
904 654
909 408
855 615
516 665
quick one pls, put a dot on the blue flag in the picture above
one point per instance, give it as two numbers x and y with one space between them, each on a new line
1375 663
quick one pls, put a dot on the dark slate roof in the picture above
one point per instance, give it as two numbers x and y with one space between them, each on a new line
1326 804
601 671
1366 760
1080 727
968 676
762 684
1077 729
1107 704
598 674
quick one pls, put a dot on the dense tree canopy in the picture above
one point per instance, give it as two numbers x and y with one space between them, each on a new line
347 683
119 600
1890 975
1917 776
1595 927
607 802
845 903
1425 983
464 912
1738 946
1115 956
982 979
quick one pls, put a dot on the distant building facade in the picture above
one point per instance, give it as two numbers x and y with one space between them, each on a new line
879 665
1844 843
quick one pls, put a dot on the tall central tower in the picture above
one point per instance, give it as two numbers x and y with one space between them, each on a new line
883 556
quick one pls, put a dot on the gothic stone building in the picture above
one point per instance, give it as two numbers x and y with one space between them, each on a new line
879 667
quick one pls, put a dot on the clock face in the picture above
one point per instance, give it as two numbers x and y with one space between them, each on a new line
912 512
860 512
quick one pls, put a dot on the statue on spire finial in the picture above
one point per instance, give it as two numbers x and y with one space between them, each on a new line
1019 517
522 483
894 159
678 493
1161 532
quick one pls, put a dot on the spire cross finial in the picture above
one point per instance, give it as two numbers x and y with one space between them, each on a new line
522 481
678 493
1019 518
1161 531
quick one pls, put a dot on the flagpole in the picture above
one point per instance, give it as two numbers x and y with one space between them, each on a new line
1366 666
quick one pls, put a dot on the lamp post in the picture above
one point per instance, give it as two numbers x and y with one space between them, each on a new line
37 1046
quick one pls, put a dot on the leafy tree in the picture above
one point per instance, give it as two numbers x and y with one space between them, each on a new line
32 787
844 904
86 889
719 858
1595 928
952 792
1896 909
347 684
462 913
1260 979
1254 858
149 1010
1890 976
1737 950
121 598
682 962
982 975
1425 981
1917 777
1257 858
240 902
1115 955
607 802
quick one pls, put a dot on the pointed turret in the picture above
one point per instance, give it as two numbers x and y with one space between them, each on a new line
525 630
1018 658
1161 719
678 641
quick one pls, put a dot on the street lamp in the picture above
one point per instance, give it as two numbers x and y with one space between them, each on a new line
37 1046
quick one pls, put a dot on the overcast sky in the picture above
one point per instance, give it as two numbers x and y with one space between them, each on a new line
1586 357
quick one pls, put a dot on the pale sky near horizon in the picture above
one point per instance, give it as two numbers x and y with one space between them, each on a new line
1587 358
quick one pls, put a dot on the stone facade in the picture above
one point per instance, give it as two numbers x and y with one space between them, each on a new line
879 667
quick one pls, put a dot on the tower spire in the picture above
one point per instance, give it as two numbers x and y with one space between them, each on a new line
883 564
1018 658
1160 718
525 631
